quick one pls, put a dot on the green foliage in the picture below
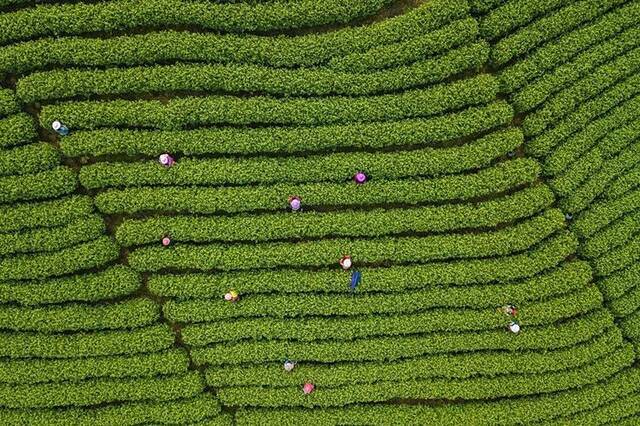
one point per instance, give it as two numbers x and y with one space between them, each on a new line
96 391
567 278
631 326
371 223
48 184
28 159
540 90
72 317
568 100
585 164
52 239
339 328
513 14
66 261
16 129
160 47
545 256
199 111
563 334
549 27
502 177
454 366
626 304
608 132
371 251
179 411
503 411
618 233
408 51
581 120
440 388
30 371
127 14
339 167
20 216
618 258
623 184
8 104
604 212
562 49
113 282
418 132
76 345
599 181
616 285
246 78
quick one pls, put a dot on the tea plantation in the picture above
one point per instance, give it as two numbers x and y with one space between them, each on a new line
319 212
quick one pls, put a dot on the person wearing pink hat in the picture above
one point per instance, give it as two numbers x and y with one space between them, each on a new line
360 178
307 388
295 203
166 160
166 241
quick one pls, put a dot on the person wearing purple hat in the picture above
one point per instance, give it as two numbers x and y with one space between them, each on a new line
166 160
360 178
295 203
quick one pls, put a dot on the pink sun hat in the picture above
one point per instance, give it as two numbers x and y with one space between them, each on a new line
166 241
307 388
166 160
360 178
295 203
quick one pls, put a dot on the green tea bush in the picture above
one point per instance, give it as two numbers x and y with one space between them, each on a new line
21 216
72 317
8 104
28 159
443 388
146 339
111 283
200 111
502 177
246 78
356 327
530 409
304 50
569 99
506 18
542 89
454 366
549 27
48 184
565 279
371 251
180 411
420 132
339 167
559 51
66 261
371 223
605 240
602 213
16 129
31 371
52 239
561 335
544 256
123 15
97 391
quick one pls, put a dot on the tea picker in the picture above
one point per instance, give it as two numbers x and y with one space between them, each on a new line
166 160
345 263
360 178
60 128
289 366
356 278
166 241
232 296
514 327
295 203
307 388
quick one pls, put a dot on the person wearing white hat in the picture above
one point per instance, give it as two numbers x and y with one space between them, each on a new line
60 128
289 366
514 327
345 262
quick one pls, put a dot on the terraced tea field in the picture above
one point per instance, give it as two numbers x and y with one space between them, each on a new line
290 212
